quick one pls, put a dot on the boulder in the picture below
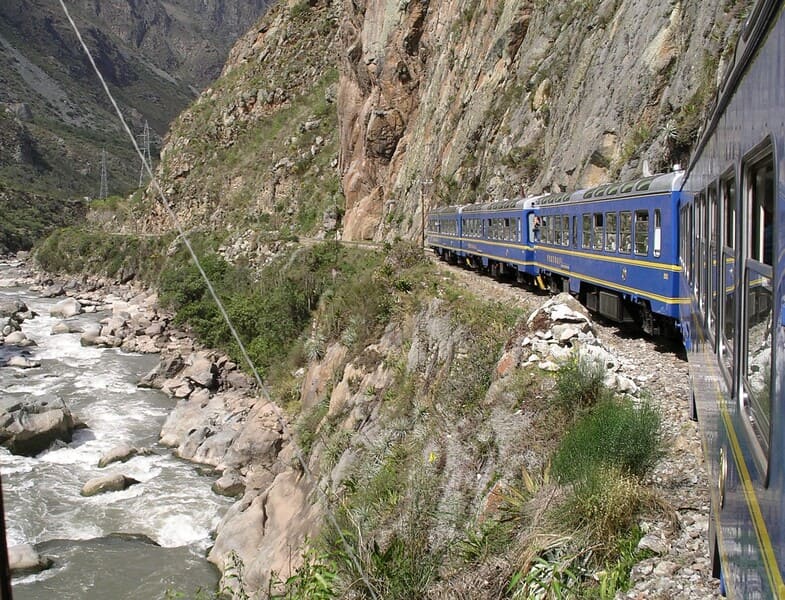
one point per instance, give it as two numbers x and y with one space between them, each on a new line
107 483
52 291
231 483
65 309
18 338
8 308
66 327
24 560
22 362
33 427
202 371
121 453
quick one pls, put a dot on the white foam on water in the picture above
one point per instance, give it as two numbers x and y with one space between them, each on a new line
181 530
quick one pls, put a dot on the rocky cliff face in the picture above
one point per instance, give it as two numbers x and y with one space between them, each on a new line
462 101
450 102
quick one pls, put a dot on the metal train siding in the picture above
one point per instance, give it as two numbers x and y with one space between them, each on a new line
615 247
733 258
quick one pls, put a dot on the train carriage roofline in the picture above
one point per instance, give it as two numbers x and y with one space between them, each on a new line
646 186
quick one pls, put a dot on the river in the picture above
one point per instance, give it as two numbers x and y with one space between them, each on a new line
146 542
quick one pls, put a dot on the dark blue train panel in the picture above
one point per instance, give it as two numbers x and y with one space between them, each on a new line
444 232
733 255
499 236
616 247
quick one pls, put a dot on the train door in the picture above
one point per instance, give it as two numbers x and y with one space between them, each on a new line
756 318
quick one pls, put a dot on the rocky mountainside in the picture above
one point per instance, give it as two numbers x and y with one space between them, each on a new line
155 55
443 102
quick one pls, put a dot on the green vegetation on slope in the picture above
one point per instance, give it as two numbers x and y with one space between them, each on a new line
26 218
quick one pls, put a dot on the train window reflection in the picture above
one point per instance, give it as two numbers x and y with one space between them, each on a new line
657 232
598 227
761 210
641 232
756 402
728 276
610 232
625 231
586 239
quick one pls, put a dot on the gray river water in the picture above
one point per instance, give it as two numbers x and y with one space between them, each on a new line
136 544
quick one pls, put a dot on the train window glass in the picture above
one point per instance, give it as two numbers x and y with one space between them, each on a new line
557 231
756 399
574 231
729 202
713 277
625 231
598 231
565 229
507 230
761 210
551 230
657 250
642 232
534 228
700 238
728 311
586 239
610 232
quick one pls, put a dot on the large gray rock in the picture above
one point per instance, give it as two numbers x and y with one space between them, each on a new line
33 427
107 483
24 560
22 362
121 453
18 338
9 308
65 309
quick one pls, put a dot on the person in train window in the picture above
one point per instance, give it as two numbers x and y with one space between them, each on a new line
536 228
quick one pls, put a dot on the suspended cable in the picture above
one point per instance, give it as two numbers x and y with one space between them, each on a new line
263 389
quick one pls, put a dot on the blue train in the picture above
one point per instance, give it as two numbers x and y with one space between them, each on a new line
701 252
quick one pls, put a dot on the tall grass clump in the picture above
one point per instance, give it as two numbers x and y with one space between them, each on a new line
615 432
580 384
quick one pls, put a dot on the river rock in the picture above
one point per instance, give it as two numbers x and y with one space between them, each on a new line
121 453
202 371
33 427
24 560
107 483
9 308
231 483
52 291
18 338
65 309
22 362
66 327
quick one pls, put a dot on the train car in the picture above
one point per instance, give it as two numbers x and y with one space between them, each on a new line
499 236
615 247
732 253
444 232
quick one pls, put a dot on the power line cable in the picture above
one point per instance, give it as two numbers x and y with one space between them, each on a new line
263 389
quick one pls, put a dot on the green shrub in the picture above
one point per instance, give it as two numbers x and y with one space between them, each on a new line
615 432
580 384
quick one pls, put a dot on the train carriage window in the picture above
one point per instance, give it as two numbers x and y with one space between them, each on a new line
565 229
728 262
610 232
757 309
713 278
657 233
598 230
761 205
625 231
557 233
642 232
574 231
586 233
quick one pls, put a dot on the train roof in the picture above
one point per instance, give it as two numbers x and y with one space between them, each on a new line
501 205
654 184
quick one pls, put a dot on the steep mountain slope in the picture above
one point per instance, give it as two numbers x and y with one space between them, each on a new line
155 56
448 102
